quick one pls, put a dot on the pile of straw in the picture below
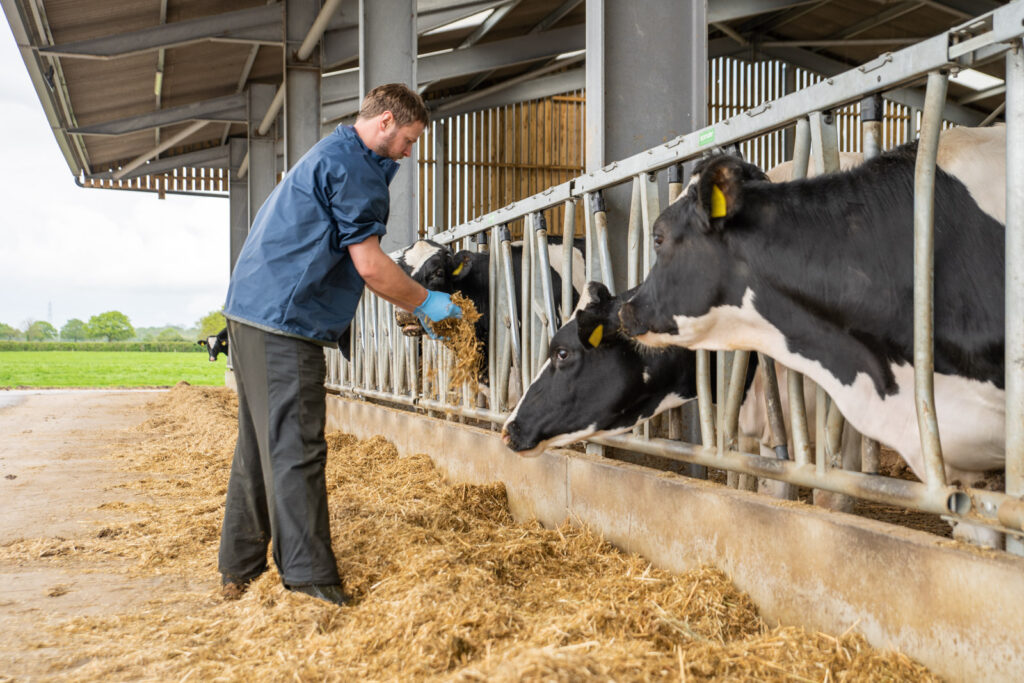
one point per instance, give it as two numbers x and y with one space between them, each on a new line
459 335
447 587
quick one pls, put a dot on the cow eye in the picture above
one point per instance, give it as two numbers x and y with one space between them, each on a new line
658 239
561 353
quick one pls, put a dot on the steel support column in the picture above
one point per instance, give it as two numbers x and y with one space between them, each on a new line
621 71
387 54
1014 281
262 174
302 82
238 199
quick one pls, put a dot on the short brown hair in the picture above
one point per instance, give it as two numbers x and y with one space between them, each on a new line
404 104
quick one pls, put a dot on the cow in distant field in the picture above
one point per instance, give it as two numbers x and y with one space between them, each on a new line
216 344
818 274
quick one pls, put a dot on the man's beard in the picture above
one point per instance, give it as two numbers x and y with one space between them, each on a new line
383 148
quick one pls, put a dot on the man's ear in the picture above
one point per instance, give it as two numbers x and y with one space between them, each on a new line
462 263
720 189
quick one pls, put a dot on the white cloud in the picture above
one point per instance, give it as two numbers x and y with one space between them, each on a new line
82 252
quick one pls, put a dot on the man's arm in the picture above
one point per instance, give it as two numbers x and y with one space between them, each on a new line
384 277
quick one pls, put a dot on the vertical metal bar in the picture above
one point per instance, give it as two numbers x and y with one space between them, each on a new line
651 208
495 306
544 273
1014 281
797 406
704 404
601 236
924 275
734 397
872 112
526 300
568 238
801 149
634 236
588 238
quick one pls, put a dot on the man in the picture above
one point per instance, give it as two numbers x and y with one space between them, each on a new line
313 245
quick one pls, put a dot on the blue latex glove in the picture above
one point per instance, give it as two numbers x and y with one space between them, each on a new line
436 307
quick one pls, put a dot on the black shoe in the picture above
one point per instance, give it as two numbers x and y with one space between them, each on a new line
328 592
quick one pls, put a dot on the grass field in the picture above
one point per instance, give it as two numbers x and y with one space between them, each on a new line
107 369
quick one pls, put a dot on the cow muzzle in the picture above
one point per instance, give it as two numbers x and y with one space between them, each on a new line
512 437
409 323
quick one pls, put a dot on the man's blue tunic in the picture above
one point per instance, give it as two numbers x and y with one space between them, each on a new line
294 275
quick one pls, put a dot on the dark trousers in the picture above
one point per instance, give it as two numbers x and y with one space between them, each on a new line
277 488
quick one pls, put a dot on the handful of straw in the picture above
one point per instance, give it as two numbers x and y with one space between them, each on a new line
459 335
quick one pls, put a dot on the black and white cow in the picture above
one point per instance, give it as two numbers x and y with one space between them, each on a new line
216 344
436 266
597 382
818 274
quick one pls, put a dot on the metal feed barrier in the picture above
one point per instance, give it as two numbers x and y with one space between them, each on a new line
388 367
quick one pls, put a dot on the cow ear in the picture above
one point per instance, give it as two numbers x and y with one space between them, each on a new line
591 328
720 190
462 264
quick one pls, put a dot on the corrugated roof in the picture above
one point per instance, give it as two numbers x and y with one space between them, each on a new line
79 92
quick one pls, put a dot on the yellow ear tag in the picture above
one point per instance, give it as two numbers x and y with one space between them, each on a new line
595 336
717 202
458 270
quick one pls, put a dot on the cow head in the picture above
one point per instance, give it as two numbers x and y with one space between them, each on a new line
435 267
596 381
695 271
215 344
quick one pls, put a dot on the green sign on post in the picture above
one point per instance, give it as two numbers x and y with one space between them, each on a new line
706 137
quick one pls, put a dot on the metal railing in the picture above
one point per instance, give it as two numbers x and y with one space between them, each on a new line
388 367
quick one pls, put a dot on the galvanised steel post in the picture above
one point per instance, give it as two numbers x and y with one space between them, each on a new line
492 329
675 182
1014 349
568 244
872 113
597 208
544 275
510 297
924 278
651 208
797 407
634 235
526 301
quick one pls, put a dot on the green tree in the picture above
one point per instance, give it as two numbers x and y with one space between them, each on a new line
8 332
210 324
114 325
40 330
169 334
74 330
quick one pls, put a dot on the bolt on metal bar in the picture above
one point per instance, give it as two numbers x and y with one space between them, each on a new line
924 278
1014 347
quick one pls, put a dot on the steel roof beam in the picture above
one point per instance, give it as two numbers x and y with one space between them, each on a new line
211 157
538 88
727 10
965 9
342 43
230 108
494 55
908 97
255 25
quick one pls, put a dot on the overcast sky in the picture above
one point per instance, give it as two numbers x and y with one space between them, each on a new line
82 252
